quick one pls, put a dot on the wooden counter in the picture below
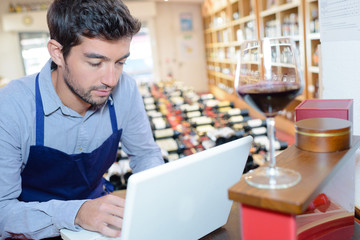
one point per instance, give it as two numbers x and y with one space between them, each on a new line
316 170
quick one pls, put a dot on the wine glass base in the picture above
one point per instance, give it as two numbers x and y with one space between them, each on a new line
272 178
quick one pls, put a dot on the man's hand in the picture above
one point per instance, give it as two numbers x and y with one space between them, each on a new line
103 215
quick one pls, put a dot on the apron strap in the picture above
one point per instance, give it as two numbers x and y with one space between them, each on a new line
39 115
112 114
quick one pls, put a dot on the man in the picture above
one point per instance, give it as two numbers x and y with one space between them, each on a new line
60 129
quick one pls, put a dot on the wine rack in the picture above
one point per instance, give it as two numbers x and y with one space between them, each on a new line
200 121
226 26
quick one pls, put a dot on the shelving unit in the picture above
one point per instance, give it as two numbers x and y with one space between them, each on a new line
228 23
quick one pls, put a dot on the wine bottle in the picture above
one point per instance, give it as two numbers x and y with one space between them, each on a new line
207 144
188 115
210 103
175 92
214 104
149 100
171 145
173 157
203 129
249 124
235 112
150 107
159 123
258 131
254 123
203 120
154 114
224 110
264 142
238 119
165 133
224 135
205 97
177 101
225 104
190 107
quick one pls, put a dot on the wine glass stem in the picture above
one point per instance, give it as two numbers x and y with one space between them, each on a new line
270 122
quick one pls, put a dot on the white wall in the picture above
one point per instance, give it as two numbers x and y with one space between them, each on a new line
340 51
340 60
341 74
170 55
181 54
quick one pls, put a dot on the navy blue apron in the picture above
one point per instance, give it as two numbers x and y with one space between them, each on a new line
53 174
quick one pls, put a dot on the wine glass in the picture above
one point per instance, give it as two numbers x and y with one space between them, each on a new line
268 77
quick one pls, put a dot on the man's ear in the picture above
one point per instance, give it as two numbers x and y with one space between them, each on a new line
54 48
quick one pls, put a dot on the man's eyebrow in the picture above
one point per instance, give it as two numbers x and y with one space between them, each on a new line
98 56
125 56
95 55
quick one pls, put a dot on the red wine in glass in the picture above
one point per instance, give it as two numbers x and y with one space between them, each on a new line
269 97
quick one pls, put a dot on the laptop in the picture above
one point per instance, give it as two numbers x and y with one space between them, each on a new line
182 199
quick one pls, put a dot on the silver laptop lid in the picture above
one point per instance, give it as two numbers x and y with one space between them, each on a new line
187 198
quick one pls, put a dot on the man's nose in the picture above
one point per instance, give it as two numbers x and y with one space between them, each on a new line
110 77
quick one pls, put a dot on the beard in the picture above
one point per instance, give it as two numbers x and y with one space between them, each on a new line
84 94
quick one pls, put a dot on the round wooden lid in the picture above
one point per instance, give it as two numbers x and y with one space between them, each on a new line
323 125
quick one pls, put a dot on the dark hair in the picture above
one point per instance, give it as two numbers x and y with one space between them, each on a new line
69 20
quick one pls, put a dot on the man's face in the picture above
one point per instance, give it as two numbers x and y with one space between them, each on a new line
93 68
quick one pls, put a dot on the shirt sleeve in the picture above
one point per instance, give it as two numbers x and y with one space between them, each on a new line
137 139
20 220
36 220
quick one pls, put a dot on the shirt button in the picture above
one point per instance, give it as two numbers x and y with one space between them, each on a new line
80 149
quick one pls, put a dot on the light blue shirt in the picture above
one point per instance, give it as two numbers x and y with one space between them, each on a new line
67 131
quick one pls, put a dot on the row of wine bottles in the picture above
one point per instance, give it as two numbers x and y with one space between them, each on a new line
184 122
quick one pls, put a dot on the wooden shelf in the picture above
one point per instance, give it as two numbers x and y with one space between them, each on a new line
244 19
316 170
226 61
279 8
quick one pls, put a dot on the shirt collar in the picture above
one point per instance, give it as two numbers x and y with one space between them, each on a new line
50 99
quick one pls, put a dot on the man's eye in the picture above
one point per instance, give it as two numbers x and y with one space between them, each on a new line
95 64
121 63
